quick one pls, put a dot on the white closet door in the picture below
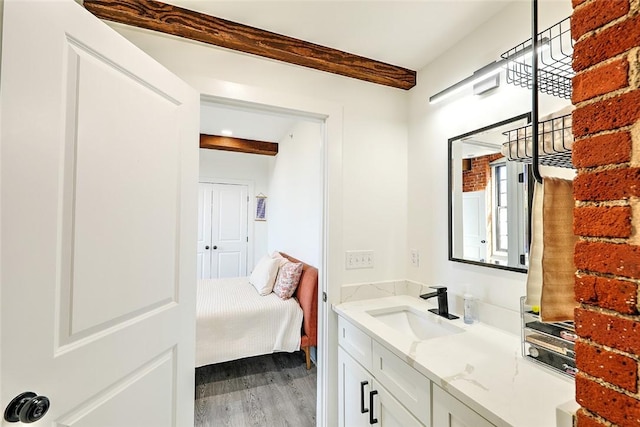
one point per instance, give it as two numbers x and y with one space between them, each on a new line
223 230
205 194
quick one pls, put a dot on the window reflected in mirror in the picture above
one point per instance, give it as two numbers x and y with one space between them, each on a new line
489 199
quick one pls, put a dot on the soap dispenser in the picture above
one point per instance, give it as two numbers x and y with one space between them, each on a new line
469 309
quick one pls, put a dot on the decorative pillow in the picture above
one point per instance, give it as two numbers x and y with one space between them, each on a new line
264 275
282 260
288 278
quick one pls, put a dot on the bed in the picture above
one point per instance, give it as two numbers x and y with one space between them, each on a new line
234 321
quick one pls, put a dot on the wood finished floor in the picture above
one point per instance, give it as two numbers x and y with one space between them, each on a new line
271 390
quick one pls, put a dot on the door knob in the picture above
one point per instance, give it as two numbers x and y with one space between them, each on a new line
26 408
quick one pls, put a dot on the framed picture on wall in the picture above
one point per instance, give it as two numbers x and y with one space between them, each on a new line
261 207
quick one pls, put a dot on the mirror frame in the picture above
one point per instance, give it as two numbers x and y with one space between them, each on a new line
526 116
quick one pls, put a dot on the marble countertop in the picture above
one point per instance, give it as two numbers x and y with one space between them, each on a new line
482 366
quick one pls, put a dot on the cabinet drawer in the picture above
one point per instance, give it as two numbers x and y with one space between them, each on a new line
405 383
355 342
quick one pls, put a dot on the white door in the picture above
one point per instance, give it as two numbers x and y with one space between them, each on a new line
204 231
474 227
224 230
99 168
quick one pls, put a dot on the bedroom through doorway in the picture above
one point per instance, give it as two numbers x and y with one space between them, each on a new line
268 388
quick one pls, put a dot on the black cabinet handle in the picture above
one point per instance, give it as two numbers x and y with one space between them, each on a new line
363 410
372 420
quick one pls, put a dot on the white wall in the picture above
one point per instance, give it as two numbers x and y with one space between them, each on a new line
432 125
365 153
295 194
240 168
374 136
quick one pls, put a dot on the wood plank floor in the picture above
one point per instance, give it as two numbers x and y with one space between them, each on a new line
271 390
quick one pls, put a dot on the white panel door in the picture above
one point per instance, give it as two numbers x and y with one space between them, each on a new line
204 251
99 168
229 230
223 230
474 225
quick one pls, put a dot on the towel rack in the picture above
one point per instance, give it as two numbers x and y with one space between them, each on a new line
535 166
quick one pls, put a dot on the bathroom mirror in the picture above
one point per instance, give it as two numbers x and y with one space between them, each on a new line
489 199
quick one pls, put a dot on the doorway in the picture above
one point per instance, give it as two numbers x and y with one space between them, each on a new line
292 183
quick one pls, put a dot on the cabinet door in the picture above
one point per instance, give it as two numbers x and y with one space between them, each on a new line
450 412
354 385
389 412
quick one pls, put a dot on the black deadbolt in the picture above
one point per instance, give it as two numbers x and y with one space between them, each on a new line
27 408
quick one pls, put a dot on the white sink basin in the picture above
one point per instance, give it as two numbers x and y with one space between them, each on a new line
414 323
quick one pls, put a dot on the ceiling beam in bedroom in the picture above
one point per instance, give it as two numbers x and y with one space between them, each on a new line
177 21
227 143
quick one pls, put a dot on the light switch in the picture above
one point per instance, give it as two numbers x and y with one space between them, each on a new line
358 259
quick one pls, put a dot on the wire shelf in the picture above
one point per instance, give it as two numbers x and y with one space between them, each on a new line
554 57
555 141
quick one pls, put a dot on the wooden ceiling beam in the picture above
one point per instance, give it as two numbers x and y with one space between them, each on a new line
227 143
177 21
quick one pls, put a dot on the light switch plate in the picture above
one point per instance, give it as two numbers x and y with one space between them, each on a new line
358 259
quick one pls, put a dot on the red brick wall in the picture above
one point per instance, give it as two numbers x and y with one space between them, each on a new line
477 178
606 123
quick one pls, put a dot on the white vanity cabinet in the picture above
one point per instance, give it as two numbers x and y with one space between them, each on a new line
472 376
376 387
450 412
363 399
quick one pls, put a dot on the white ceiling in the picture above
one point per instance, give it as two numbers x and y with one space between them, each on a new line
245 124
404 33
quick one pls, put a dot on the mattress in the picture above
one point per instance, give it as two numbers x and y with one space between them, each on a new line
234 321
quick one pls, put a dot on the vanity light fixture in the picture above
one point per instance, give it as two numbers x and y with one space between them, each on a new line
478 76
485 74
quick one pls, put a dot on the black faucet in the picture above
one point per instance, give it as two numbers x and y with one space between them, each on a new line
443 302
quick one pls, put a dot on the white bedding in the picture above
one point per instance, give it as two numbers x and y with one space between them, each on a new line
234 321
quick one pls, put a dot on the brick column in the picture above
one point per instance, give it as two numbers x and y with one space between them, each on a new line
606 125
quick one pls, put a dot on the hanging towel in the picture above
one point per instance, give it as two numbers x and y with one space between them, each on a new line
534 274
557 301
